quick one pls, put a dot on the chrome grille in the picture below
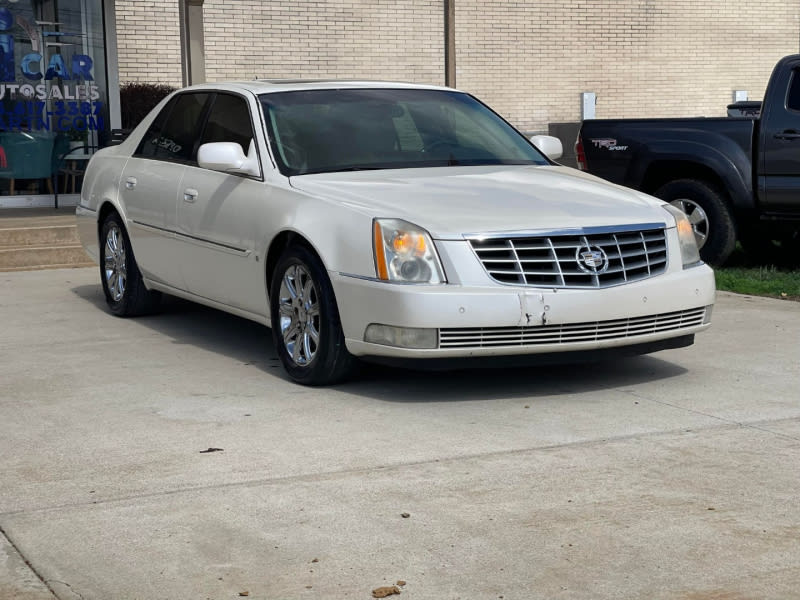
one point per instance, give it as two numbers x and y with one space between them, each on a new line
559 261
487 337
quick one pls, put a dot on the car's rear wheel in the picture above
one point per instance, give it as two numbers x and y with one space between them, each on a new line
306 329
123 287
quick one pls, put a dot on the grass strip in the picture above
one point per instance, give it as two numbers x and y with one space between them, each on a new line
760 281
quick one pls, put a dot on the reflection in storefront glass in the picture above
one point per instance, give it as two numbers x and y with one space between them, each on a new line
53 91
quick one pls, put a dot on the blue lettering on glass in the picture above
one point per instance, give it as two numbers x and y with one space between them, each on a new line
6 19
6 45
81 67
31 63
30 115
32 105
31 66
57 68
6 57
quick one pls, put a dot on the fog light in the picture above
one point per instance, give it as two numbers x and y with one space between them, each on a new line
401 337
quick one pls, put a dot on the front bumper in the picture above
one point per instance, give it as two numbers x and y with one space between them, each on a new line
525 320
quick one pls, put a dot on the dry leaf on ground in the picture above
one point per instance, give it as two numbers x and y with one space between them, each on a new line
383 592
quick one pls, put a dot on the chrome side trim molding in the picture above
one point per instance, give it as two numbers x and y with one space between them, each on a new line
242 251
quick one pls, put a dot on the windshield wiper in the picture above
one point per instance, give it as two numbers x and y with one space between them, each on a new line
343 169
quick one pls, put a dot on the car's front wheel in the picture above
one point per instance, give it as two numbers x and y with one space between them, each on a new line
306 329
123 287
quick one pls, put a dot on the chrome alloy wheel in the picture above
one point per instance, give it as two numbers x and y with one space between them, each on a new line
115 265
697 217
298 307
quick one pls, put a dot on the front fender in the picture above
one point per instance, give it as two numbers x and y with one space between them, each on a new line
340 235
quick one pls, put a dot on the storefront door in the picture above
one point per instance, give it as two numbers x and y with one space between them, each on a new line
53 94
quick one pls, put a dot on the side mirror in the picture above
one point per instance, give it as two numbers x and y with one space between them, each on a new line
228 157
550 146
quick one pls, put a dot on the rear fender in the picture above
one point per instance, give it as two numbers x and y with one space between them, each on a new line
717 154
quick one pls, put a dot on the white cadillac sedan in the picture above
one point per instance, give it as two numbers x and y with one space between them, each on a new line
387 222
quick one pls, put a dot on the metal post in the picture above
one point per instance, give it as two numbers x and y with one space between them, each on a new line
192 43
450 43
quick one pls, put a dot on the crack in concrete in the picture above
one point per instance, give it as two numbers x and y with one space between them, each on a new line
64 583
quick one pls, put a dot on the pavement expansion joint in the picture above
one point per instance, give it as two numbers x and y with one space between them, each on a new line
725 424
752 425
27 562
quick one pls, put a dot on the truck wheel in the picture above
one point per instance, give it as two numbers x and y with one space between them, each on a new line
708 213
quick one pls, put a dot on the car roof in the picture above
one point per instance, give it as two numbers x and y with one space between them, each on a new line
266 86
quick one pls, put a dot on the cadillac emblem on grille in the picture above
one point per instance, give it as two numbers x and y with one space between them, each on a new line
591 259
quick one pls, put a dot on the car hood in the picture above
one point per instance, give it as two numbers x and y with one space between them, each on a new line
452 201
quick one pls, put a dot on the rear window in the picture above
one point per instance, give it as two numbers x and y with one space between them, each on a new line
174 133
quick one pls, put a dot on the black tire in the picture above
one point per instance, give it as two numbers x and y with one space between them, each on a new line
714 225
309 314
123 287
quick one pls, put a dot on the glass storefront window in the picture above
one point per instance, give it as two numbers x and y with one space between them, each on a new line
53 92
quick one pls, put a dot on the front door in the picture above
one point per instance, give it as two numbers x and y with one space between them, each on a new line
780 135
218 217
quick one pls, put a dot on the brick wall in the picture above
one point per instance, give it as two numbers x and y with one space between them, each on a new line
149 41
529 59
643 58
372 39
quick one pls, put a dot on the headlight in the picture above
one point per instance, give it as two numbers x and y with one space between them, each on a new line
404 253
689 252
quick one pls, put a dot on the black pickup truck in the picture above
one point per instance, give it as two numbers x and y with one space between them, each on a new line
735 177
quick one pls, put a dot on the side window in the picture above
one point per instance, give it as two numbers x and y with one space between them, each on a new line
149 144
229 121
793 100
176 139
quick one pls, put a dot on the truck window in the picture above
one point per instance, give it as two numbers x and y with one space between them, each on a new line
793 99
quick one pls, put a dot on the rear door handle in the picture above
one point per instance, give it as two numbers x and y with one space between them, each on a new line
189 195
130 183
789 134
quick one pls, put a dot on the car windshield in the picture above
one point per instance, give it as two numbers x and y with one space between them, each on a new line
323 131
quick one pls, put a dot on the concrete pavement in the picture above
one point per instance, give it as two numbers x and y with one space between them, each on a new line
667 476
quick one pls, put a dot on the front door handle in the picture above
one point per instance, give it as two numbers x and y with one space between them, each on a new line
189 195
789 134
130 183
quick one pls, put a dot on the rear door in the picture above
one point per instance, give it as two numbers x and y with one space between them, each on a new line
779 181
149 185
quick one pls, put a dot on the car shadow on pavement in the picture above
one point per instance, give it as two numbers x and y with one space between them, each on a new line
186 322
401 385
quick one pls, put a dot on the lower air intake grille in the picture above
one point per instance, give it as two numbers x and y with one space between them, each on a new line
487 337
